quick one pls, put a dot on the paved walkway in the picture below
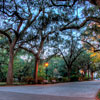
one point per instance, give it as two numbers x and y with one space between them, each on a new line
63 91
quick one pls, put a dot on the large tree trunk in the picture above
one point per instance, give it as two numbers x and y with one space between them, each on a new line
88 70
36 71
10 67
84 74
92 76
69 72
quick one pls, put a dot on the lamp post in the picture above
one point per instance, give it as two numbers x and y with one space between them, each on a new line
46 65
82 73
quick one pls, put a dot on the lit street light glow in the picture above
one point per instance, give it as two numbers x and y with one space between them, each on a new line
46 64
81 71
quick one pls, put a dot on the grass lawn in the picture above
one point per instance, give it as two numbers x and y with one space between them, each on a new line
15 83
98 95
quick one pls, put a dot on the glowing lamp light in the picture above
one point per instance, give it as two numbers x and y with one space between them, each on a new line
81 71
46 64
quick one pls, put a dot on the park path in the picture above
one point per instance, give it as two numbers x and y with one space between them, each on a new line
62 91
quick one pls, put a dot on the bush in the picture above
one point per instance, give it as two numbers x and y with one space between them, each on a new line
80 79
65 79
53 78
40 80
98 95
85 79
28 80
74 78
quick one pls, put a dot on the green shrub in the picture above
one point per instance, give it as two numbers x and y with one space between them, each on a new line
74 78
40 80
28 80
85 79
53 78
98 95
65 79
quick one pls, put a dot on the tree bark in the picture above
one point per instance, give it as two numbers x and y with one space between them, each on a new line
84 73
36 71
10 67
88 70
88 73
91 75
69 72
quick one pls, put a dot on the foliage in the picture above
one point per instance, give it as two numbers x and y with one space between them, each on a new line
3 64
28 80
41 71
40 80
85 78
56 67
52 78
74 78
65 79
82 61
23 65
98 95
70 48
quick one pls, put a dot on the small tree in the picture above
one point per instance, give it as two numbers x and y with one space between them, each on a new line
70 50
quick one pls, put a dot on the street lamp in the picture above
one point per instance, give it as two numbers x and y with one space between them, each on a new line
46 65
81 71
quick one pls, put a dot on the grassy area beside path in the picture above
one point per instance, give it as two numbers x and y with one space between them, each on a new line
98 95
14 84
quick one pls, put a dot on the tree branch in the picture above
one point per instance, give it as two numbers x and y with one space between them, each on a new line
88 43
79 52
63 56
74 1
5 34
41 45
16 33
95 19
95 50
19 26
26 49
29 23
94 2
60 29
